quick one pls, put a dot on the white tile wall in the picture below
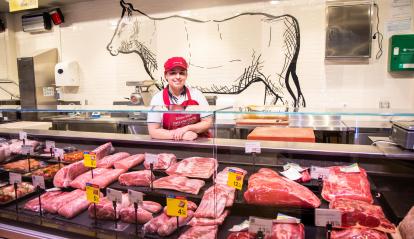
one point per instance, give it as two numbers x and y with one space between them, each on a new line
89 27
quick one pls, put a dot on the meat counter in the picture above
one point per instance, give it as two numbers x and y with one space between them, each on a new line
387 177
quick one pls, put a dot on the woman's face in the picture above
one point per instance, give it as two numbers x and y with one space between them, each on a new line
176 78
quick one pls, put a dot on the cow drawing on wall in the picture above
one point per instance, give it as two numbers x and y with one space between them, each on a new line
226 56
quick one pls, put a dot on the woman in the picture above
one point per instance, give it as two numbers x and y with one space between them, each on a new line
176 96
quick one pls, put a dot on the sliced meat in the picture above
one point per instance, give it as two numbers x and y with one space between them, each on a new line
33 205
199 221
194 167
107 178
130 161
214 201
266 187
108 161
179 183
67 174
346 185
360 214
103 150
356 233
200 232
164 161
81 180
75 206
137 178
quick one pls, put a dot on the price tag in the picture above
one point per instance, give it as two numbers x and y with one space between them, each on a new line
353 168
27 149
253 147
38 181
235 179
319 172
151 158
135 197
292 174
89 159
282 218
92 193
114 195
325 216
176 206
50 144
15 178
58 152
18 5
260 224
22 135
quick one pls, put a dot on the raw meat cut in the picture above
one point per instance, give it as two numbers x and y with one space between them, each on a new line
107 178
179 183
164 161
33 205
288 231
16 145
241 235
65 175
155 223
75 206
72 156
406 226
222 176
200 232
105 208
4 152
130 161
360 214
266 187
7 193
128 215
194 167
137 178
214 200
356 233
199 221
108 161
170 226
152 207
103 150
23 165
81 180
61 200
346 185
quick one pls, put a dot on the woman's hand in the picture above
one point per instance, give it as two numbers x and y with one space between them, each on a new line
178 134
190 135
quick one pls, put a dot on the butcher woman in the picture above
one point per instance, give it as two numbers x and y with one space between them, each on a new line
176 96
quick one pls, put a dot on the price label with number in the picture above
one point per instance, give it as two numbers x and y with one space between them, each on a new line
260 224
235 179
319 172
89 159
50 144
92 193
15 178
176 206
38 181
22 135
114 195
18 5
27 149
135 197
151 158
253 147
325 216
58 152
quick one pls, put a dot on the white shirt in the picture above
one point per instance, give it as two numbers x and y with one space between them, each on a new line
157 100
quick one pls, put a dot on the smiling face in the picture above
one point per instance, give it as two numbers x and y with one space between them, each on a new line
176 78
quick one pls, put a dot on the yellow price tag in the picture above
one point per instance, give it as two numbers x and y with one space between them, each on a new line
18 5
92 193
176 206
89 159
235 179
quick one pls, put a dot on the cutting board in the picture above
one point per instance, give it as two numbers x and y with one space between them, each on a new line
282 134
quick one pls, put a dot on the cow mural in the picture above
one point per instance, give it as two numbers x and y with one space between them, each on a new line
225 56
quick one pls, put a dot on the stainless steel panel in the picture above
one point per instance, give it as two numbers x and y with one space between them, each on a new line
348 33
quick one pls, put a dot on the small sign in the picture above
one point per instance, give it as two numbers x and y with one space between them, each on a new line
22 135
151 158
50 144
325 216
18 5
89 159
292 174
135 197
38 181
282 218
293 165
176 206
27 149
260 224
235 179
353 168
48 91
319 172
114 195
253 147
15 178
92 193
59 153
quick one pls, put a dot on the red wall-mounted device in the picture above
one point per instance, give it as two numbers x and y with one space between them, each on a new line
57 16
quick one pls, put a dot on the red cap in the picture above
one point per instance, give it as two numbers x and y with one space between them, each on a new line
175 62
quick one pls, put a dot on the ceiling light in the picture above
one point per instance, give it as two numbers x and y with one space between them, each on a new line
275 2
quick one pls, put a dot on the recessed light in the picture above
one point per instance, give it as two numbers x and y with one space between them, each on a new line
275 2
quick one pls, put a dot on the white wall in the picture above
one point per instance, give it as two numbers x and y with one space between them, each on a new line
89 27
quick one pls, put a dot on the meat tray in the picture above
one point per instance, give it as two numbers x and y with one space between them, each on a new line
21 165
7 193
